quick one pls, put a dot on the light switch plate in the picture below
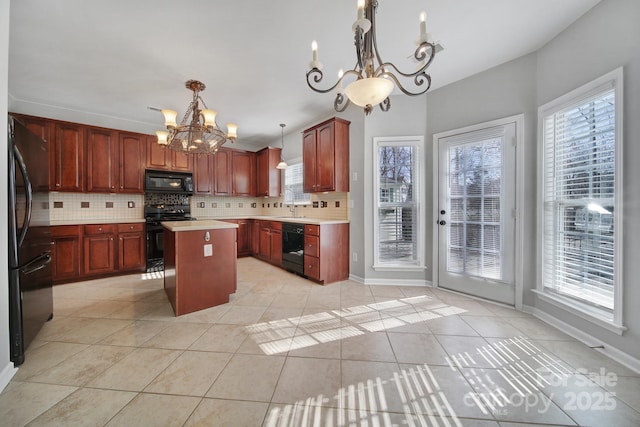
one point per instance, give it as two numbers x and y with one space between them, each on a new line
208 250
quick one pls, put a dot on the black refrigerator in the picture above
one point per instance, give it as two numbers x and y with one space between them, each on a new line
30 292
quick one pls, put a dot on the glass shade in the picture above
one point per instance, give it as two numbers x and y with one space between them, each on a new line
370 91
232 130
282 165
162 137
209 117
170 117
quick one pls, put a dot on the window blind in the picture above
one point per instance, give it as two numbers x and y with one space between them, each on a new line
293 179
397 205
579 186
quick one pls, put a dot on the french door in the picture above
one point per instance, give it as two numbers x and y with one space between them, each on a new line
476 212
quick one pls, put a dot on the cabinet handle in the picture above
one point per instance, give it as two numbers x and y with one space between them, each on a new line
57 185
111 239
53 243
99 228
131 227
121 186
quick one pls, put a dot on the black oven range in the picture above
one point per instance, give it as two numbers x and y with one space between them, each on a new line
154 214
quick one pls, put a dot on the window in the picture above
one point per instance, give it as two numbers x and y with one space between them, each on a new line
397 217
581 199
293 193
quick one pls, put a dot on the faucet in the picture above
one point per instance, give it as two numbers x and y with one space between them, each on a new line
292 206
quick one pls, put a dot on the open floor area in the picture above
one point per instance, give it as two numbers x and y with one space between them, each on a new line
288 352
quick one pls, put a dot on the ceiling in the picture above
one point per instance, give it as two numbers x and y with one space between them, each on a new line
109 60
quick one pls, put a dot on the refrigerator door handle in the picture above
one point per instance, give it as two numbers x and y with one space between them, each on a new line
36 264
28 192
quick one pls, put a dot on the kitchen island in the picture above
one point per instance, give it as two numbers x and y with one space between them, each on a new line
199 264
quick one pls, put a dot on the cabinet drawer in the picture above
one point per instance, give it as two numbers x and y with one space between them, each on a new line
311 267
311 245
276 225
131 227
65 231
313 230
99 229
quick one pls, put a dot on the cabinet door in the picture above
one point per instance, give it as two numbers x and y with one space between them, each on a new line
243 173
255 237
69 146
244 237
309 161
276 247
222 169
131 251
99 254
268 177
203 173
131 150
181 161
265 243
325 158
158 157
65 258
44 129
102 160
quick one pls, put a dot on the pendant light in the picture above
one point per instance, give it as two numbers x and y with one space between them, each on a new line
282 164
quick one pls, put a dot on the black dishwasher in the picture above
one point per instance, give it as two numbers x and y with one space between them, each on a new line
293 247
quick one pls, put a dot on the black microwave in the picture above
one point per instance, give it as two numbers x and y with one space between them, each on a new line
168 182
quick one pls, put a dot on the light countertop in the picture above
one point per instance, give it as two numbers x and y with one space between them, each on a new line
96 221
296 220
200 224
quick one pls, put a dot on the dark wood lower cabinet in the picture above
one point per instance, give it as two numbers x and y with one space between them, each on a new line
99 249
66 252
131 247
86 251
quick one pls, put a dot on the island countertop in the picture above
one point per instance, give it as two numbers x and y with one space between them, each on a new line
207 224
297 219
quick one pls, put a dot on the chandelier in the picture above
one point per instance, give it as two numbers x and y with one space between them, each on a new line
374 78
198 131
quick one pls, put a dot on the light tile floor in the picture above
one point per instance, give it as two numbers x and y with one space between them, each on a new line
288 352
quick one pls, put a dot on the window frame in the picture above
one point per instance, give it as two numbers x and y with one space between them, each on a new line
612 321
417 142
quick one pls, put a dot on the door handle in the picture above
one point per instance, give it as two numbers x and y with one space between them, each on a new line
443 222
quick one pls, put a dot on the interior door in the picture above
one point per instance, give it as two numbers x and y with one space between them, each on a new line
476 213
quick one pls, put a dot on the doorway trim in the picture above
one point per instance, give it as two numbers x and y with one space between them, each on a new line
519 232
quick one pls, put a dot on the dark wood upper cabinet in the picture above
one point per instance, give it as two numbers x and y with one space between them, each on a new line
158 157
243 173
45 129
163 158
203 173
268 178
131 151
222 180
325 153
102 160
69 149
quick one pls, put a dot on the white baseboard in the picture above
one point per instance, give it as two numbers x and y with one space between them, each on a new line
389 282
587 339
7 373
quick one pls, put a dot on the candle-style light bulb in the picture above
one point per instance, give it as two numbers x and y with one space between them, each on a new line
423 25
314 49
360 9
340 74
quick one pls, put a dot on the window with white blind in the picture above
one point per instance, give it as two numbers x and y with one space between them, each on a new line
580 210
397 196
293 193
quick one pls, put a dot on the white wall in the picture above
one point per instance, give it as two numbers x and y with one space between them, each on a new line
503 91
604 39
6 367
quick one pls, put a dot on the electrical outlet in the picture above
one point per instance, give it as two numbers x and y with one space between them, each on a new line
201 205
337 203
131 205
354 257
323 204
355 176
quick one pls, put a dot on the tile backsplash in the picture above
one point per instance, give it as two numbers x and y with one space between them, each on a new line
93 206
89 206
